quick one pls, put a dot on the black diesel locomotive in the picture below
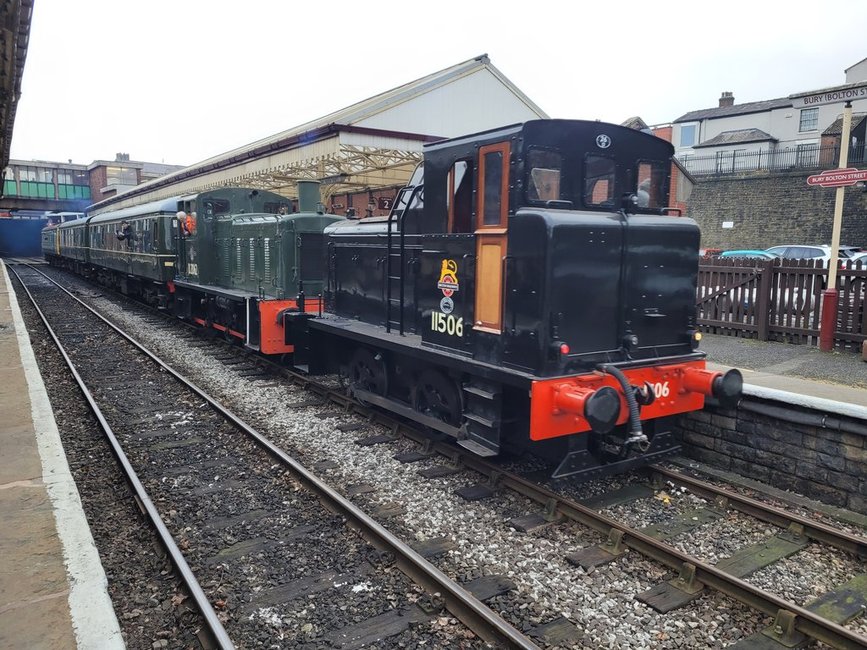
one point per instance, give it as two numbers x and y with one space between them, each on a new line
529 289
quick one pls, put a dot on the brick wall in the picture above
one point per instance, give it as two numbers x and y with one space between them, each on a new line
98 179
816 462
665 132
771 210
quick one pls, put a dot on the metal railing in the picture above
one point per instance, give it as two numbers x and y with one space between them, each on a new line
774 161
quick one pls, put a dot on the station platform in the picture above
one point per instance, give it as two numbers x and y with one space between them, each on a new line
53 590
798 374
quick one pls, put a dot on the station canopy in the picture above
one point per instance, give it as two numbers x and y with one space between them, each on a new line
374 143
15 19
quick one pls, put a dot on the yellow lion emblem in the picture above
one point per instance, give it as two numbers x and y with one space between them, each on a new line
448 278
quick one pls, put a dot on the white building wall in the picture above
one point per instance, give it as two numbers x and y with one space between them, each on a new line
476 102
857 72
786 123
781 123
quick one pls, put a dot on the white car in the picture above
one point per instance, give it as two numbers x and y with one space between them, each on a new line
859 257
801 252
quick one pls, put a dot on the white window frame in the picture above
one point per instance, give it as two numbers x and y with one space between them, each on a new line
812 115
694 127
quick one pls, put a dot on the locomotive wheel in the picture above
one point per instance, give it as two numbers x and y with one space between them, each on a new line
439 397
367 371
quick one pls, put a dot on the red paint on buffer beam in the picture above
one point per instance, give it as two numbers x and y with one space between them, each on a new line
838 177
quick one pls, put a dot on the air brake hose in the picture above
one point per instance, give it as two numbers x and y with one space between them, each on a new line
636 434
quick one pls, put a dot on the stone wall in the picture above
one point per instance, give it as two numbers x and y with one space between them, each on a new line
821 463
768 210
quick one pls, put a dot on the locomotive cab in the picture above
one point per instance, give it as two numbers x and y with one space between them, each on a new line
563 254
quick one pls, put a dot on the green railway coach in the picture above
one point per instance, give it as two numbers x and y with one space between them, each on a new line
133 249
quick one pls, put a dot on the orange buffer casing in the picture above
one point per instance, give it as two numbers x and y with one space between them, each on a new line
272 336
556 405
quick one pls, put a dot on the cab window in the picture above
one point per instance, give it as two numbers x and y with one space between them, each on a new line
493 188
599 181
543 175
460 197
213 207
650 184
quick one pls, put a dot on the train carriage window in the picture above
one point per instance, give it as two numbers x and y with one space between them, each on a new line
146 242
599 181
460 198
650 184
543 175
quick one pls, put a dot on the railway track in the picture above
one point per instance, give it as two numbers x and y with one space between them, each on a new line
792 624
237 513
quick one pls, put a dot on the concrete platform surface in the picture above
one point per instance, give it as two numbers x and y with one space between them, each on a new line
53 590
806 374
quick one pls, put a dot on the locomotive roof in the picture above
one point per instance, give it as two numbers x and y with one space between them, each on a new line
169 206
501 131
511 129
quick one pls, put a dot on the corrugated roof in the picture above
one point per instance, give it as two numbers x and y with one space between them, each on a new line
364 109
735 109
737 137
338 121
15 40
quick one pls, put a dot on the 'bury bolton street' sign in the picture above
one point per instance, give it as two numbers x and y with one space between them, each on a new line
830 96
838 177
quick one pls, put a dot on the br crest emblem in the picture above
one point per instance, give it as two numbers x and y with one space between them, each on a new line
448 283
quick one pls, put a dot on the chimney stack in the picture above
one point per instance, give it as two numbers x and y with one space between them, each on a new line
726 99
121 157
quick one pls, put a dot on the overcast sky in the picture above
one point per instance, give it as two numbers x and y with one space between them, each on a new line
178 81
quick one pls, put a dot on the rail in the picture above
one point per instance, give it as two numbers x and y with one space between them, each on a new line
855 544
216 628
805 621
463 605
556 505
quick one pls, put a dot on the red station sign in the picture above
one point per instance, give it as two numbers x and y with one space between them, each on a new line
838 177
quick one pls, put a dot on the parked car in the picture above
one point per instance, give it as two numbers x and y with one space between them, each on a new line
859 257
801 252
749 254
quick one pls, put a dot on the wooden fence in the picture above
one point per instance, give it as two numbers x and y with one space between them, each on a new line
779 300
